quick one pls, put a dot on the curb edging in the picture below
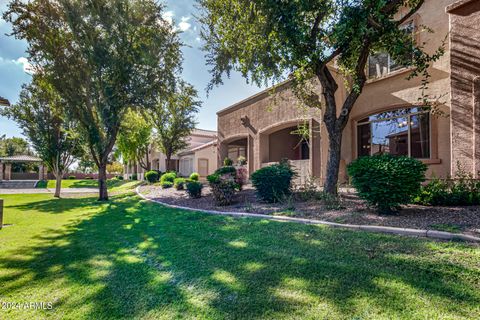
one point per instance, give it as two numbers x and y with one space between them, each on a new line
433 234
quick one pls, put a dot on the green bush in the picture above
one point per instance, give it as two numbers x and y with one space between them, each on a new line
194 189
89 178
120 177
227 162
226 170
179 183
71 177
386 181
194 176
223 188
152 176
166 184
273 183
168 177
134 177
463 190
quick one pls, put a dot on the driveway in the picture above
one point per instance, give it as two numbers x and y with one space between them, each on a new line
48 190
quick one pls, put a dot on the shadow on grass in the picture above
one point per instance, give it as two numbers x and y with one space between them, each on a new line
145 259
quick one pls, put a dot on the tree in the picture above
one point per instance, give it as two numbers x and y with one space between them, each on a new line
135 139
266 40
115 168
103 57
40 114
174 119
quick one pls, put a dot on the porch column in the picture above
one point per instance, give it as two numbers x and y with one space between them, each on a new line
8 171
315 150
222 153
250 154
1 171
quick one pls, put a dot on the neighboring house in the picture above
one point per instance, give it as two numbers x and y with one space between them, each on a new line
387 117
200 156
4 102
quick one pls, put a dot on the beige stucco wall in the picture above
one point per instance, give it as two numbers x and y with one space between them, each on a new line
263 113
465 83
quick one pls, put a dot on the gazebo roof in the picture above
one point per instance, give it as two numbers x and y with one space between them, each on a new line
20 158
4 102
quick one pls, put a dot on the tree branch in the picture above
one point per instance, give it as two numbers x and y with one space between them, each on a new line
410 13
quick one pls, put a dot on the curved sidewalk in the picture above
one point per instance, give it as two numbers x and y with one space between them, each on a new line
441 235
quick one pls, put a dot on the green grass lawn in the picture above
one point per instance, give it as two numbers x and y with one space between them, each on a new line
113 184
133 259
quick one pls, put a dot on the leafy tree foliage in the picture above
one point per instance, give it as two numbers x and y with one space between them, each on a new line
103 57
174 119
266 40
135 139
40 114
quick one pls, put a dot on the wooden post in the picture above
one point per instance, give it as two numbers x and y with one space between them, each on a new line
1 213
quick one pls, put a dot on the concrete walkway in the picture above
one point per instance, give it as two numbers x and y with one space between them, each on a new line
440 235
48 190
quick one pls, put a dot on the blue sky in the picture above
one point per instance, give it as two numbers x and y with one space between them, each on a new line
13 66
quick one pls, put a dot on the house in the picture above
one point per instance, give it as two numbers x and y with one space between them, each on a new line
4 102
199 156
388 116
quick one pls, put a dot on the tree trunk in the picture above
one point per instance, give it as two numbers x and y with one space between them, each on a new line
58 184
102 182
333 162
168 166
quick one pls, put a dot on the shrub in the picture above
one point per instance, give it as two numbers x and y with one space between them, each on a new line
227 162
273 183
120 177
226 170
71 177
241 177
166 184
89 178
194 189
168 176
241 161
194 176
152 176
463 190
223 188
134 177
386 181
179 183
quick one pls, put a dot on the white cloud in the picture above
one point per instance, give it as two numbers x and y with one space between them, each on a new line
168 16
184 25
27 67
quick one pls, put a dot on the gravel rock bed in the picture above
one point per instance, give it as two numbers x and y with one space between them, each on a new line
352 210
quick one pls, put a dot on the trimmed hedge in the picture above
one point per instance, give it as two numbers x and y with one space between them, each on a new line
179 183
168 177
223 188
152 176
386 181
273 183
166 184
194 176
194 189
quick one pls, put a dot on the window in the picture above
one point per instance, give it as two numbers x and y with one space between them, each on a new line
203 167
382 64
403 132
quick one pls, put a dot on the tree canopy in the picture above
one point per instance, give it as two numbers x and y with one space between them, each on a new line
174 119
135 139
40 114
103 57
268 41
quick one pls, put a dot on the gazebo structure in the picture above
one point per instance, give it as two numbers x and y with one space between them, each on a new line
6 168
